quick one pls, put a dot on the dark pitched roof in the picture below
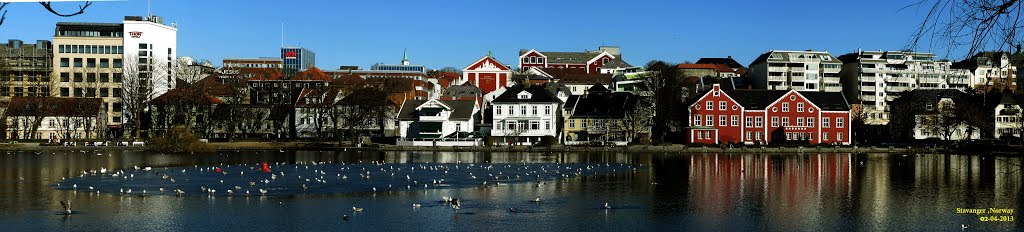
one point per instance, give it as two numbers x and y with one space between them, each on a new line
753 99
604 105
616 63
566 57
461 109
538 94
828 101
586 78
726 61
465 90
972 63
54 106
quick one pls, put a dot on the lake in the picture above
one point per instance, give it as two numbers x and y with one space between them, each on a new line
645 192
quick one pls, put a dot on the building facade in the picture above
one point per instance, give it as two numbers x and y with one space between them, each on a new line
297 59
151 50
487 74
874 78
88 62
797 70
991 70
435 119
525 115
590 61
1008 121
603 117
931 114
25 69
721 116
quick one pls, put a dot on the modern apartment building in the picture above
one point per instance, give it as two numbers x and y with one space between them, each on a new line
25 69
991 70
297 59
88 63
874 78
797 70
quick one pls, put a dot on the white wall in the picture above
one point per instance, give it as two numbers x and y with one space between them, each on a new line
162 38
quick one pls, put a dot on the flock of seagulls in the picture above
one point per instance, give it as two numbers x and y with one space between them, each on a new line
277 179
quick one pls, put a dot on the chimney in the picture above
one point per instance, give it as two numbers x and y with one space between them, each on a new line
730 57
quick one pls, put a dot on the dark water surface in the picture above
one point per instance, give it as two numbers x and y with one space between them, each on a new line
646 192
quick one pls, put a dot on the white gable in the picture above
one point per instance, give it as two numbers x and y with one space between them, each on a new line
524 95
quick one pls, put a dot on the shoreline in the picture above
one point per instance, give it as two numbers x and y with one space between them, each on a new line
251 146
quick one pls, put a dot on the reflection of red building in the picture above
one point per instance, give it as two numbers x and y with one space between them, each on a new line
487 74
767 116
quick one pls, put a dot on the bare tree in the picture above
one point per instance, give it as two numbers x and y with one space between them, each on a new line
974 24
662 80
49 7
637 120
140 80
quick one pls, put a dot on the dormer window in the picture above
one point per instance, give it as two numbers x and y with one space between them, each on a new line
524 95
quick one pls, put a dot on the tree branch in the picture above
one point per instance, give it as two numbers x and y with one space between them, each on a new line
81 9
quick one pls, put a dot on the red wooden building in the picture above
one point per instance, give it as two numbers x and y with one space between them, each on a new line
590 61
487 74
721 116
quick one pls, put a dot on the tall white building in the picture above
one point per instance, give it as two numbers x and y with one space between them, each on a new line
152 47
991 70
798 70
875 78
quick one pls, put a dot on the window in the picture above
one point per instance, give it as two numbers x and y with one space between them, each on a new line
104 63
717 93
759 122
696 120
749 122
116 92
547 110
785 121
757 135
90 63
533 59
79 92
721 105
78 62
497 110
721 120
839 123
735 121
547 125
775 121
64 92
90 92
572 123
748 135
785 107
65 62
534 125
711 105
78 77
65 77
104 77
824 136
117 107
534 110
522 110
700 135
810 121
104 92
800 107
789 135
709 120
799 121
90 77
117 63
839 136
117 77
824 122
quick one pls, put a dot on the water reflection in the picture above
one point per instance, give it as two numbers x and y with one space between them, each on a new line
787 192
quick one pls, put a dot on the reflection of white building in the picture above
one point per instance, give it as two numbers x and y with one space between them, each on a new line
154 46
1008 118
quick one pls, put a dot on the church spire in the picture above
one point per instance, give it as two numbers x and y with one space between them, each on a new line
405 57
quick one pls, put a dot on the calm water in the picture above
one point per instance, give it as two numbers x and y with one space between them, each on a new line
647 192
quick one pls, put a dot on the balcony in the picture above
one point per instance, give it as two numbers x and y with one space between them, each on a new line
778 69
833 89
867 88
777 78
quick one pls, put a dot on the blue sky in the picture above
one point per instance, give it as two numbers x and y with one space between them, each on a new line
457 32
